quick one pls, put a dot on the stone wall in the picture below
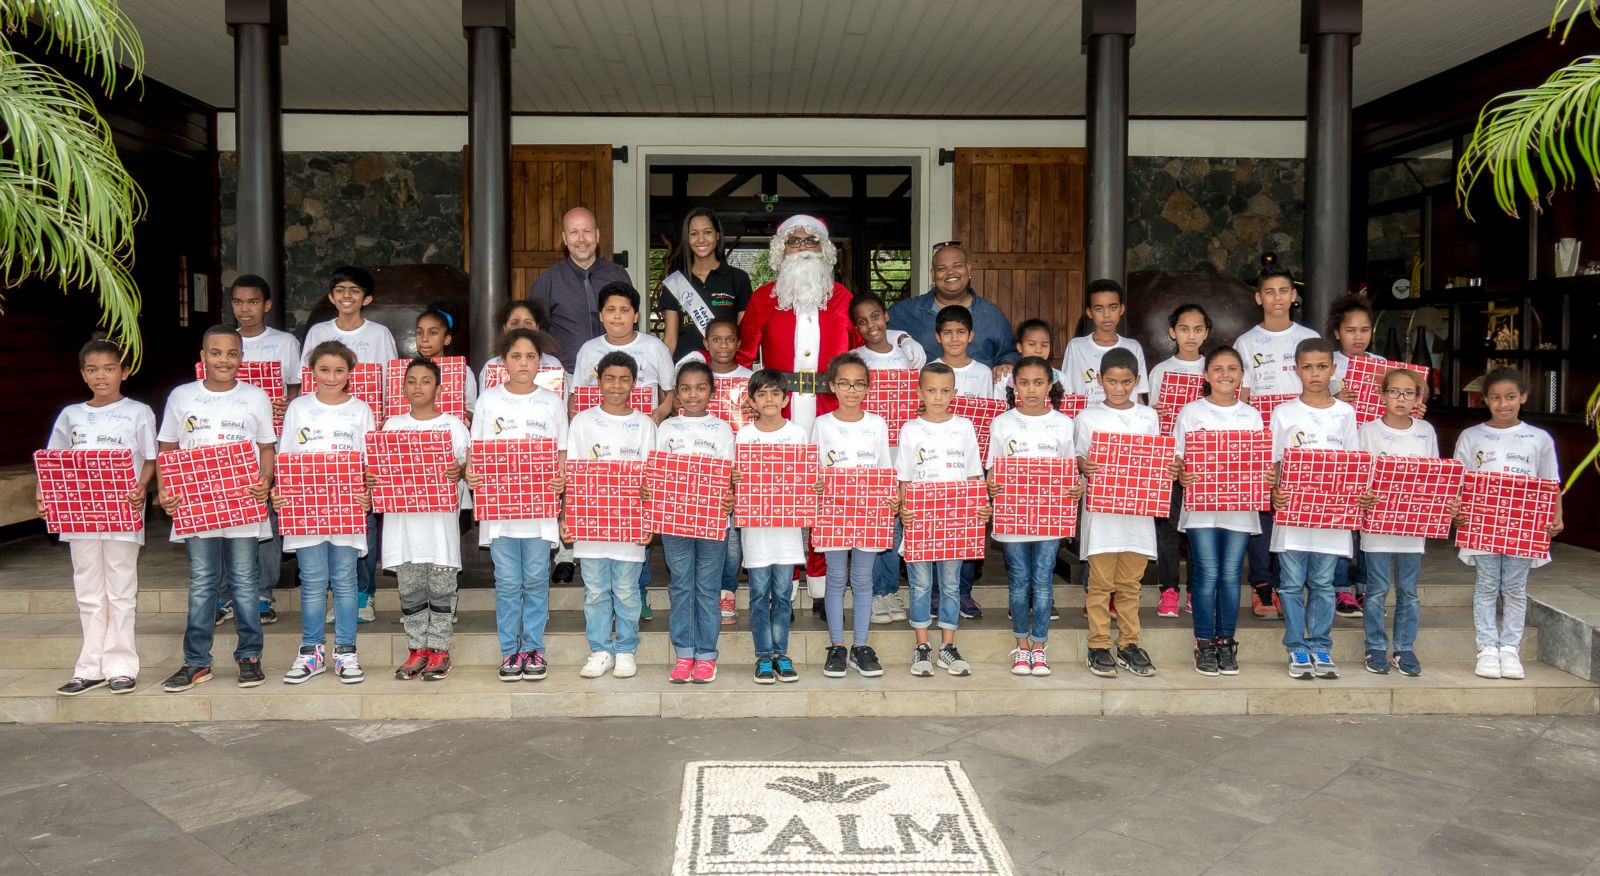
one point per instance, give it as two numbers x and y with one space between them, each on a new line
359 208
1226 211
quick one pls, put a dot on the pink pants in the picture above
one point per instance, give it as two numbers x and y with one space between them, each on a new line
105 575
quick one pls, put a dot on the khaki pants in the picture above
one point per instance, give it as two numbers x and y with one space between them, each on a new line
105 577
1121 574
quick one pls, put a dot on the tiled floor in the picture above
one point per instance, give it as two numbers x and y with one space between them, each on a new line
1334 795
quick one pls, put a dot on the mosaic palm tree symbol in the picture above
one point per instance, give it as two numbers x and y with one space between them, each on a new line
828 789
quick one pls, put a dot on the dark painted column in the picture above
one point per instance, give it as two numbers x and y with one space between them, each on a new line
490 26
1108 28
259 28
1329 30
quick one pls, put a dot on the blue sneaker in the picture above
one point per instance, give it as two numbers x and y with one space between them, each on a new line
1377 662
1323 665
764 673
1299 664
1407 663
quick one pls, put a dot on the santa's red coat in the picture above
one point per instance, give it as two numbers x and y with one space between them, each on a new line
768 333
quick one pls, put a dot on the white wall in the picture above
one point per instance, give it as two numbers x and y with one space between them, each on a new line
655 141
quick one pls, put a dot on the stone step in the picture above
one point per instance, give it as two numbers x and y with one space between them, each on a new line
52 641
27 695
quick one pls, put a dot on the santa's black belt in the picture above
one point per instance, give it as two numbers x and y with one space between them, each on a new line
803 382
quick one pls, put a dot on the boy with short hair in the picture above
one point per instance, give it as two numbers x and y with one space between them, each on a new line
953 326
1307 557
619 315
1082 361
218 409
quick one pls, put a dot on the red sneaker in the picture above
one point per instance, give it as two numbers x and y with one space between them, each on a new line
705 671
730 614
1168 606
682 671
416 659
1265 609
1113 601
438 668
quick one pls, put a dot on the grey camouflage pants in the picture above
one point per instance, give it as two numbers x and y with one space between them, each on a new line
427 602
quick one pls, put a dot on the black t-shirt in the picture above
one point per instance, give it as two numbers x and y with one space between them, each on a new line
726 291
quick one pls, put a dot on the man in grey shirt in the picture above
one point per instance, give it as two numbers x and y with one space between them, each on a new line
568 288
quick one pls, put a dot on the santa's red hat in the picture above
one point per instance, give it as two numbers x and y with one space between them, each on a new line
801 220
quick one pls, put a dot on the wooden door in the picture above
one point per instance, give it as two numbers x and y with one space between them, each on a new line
546 182
1019 214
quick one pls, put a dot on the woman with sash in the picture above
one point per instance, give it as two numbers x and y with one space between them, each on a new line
702 286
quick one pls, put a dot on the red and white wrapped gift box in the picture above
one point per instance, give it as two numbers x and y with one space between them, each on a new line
1413 496
855 511
321 493
516 475
777 484
945 524
409 466
451 399
642 399
603 501
1507 514
981 411
1176 390
1324 488
1033 496
893 396
366 383
729 400
1230 469
1265 404
1132 476
1073 405
1363 376
686 493
213 480
268 376
548 376
87 490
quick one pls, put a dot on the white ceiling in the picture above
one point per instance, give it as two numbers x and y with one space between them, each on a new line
820 57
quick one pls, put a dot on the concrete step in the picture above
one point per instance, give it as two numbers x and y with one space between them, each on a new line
27 695
52 641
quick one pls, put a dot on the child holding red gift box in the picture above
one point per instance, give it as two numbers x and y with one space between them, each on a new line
435 332
1188 327
1350 330
770 552
1104 309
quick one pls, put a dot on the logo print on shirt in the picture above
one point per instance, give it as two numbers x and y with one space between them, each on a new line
594 451
1257 360
304 435
499 425
1011 446
190 423
922 456
833 458
1299 440
1480 458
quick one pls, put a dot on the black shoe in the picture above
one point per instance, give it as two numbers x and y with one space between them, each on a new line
1206 658
764 671
785 668
224 612
250 673
79 685
1228 656
1135 660
1101 663
818 608
186 677
563 573
835 665
970 608
123 684
865 661
269 615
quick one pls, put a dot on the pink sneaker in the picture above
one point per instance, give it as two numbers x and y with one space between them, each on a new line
705 671
1168 607
681 671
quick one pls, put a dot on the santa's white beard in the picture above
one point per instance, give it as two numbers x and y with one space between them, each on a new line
805 282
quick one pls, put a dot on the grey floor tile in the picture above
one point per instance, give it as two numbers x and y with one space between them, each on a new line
1291 848
1470 850
76 842
1372 787
1248 796
1102 853
182 856
1187 825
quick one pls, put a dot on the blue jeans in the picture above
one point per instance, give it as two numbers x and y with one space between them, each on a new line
367 566
730 562
1216 558
886 567
1500 579
321 566
644 575
269 558
969 571
948 573
521 592
695 566
1031 569
769 608
1349 576
611 597
217 566
1264 564
1407 608
1305 586
857 566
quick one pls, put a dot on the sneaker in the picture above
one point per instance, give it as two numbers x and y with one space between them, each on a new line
563 572
1101 663
897 607
1376 662
1228 656
269 615
1407 663
347 667
785 669
416 658
644 611
364 612
950 661
922 661
865 661
1510 662
1168 606
122 684
79 685
1054 614
511 667
970 608
1188 602
880 610
224 612
1266 609
626 666
819 608
1345 605
705 671
438 668
1021 662
682 670
329 618
1134 659
1300 664
1041 666
837 662
730 614
1488 663
1111 605
1206 661
598 664
188 676
534 667
764 673
1322 665
250 674
311 661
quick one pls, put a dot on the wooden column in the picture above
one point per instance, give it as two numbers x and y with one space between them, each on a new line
1108 28
1329 30
490 26
259 27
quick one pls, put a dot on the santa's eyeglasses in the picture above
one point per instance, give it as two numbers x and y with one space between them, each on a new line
803 243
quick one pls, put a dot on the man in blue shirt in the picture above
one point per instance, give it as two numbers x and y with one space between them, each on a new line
992 343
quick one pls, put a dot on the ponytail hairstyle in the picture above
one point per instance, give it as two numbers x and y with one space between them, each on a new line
1057 392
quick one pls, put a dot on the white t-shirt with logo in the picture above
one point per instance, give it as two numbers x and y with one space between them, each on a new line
312 426
505 415
1380 439
1203 415
1099 532
946 451
1522 449
274 345
1081 366
196 416
1297 424
427 537
656 368
904 352
371 341
973 379
1269 359
595 434
122 425
772 545
1014 433
860 444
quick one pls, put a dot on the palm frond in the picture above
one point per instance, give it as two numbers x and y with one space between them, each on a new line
95 33
1578 7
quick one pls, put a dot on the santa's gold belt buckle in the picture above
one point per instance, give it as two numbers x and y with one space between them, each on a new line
803 382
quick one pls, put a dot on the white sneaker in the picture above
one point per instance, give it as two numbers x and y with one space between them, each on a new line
625 666
897 607
880 610
598 663
365 614
1488 663
1041 664
1021 661
306 665
1510 663
347 667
